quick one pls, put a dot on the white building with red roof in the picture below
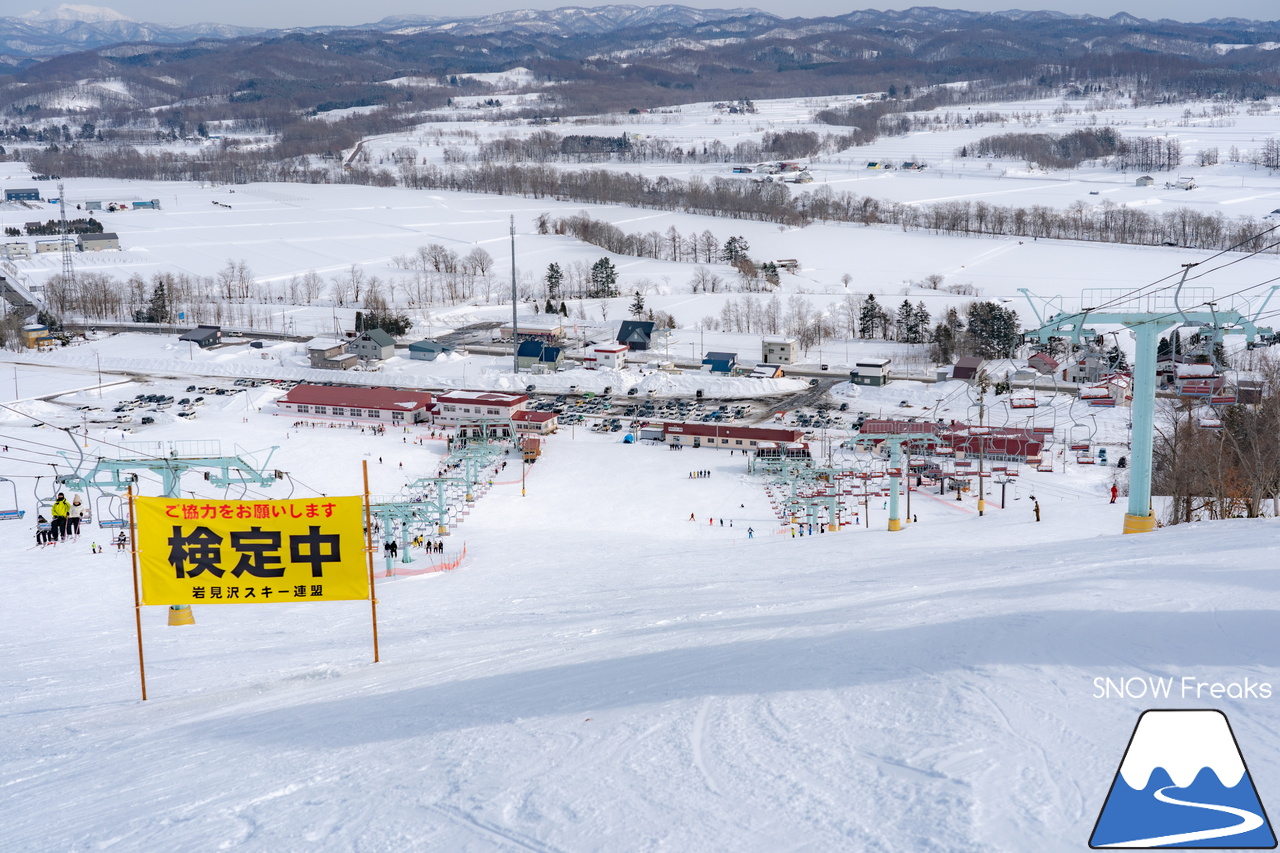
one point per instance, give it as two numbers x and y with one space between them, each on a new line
535 423
609 355
727 437
454 407
358 403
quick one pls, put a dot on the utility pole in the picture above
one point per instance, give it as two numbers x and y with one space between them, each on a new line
515 329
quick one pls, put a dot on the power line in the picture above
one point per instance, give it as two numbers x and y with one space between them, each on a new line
1136 292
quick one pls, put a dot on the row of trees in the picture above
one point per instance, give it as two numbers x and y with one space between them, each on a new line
772 202
1050 151
670 245
1226 473
984 329
1066 151
231 297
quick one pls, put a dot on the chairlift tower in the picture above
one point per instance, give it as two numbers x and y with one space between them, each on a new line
895 442
65 243
170 464
1148 317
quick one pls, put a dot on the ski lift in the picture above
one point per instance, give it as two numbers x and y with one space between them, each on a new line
44 506
1079 437
110 511
1023 400
1045 466
1208 419
9 511
1085 458
1226 392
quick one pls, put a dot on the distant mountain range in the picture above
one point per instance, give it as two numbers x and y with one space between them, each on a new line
72 28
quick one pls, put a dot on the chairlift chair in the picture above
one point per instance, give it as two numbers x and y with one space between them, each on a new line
1023 400
109 509
1208 419
9 510
1079 437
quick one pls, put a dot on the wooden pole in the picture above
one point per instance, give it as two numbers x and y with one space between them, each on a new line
137 595
368 547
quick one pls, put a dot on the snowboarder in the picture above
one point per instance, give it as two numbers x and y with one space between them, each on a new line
751 534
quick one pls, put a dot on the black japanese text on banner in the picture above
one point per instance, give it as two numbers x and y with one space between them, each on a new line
247 552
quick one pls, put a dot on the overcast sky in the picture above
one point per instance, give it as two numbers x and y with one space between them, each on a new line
283 13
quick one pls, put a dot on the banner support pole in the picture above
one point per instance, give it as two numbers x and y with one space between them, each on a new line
137 597
368 548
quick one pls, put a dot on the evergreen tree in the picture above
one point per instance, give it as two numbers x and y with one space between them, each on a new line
1117 360
946 336
869 316
158 310
908 331
553 279
770 272
564 310
921 322
549 308
734 250
604 279
994 331
637 306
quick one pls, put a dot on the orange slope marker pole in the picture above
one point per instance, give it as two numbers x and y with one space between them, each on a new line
137 596
368 547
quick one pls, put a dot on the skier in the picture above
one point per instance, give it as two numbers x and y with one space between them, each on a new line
76 512
1115 492
1036 507
58 529
751 533
42 530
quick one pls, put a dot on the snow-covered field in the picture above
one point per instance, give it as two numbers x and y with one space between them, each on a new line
602 673
283 231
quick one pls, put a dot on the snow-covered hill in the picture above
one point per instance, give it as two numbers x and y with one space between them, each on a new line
602 673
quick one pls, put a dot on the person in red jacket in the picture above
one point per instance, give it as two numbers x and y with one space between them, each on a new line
1115 492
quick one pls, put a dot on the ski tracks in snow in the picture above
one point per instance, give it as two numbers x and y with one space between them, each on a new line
491 830
696 740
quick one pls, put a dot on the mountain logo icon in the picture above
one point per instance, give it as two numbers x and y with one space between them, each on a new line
1183 783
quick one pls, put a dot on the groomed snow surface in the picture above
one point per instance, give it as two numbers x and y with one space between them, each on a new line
602 674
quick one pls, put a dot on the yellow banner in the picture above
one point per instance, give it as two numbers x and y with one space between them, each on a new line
251 552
